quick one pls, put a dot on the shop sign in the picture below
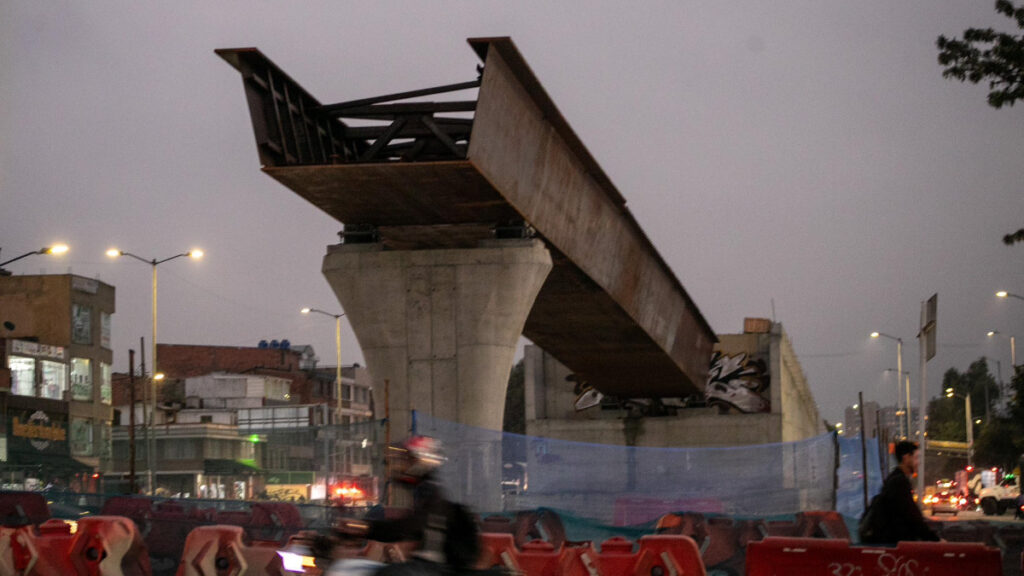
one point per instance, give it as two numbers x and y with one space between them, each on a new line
37 350
38 430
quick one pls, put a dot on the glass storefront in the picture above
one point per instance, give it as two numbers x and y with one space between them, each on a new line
23 375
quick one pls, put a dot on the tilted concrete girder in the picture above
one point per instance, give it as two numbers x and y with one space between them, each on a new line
611 309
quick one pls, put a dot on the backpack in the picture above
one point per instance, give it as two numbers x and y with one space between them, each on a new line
462 544
872 523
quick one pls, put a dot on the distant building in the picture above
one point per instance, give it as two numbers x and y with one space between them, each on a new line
872 420
238 422
55 378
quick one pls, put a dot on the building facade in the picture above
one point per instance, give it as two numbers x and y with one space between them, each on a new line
245 422
57 383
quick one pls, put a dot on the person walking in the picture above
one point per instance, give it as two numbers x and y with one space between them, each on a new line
893 516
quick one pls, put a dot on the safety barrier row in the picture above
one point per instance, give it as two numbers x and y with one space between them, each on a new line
221 550
781 555
166 524
99 546
656 554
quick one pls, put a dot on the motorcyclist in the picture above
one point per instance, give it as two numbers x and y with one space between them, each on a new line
443 536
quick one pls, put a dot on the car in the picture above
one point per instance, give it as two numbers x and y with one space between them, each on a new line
945 501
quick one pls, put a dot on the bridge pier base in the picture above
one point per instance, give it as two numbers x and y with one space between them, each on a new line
440 325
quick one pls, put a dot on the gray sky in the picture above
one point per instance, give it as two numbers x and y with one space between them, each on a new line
806 152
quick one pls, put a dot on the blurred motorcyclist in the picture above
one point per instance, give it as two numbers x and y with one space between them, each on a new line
445 535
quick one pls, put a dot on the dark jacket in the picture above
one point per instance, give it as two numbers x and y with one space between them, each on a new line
896 517
445 531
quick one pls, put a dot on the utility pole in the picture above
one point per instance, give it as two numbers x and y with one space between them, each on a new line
131 422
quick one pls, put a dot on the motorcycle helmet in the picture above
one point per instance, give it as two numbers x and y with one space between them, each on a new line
422 455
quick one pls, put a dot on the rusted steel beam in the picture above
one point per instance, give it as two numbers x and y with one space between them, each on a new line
330 108
388 111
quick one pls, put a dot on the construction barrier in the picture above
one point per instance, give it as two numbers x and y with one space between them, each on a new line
223 551
23 508
776 555
658 554
101 546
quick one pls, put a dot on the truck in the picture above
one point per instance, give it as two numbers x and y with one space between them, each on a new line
1001 496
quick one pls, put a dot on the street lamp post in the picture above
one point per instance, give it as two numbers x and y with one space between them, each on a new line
1013 345
337 377
968 420
337 345
156 375
56 249
899 372
1005 294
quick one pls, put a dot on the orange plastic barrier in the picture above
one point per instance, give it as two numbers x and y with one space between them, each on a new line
22 508
820 556
535 558
102 546
222 550
658 554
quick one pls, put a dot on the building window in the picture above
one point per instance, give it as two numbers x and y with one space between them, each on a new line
55 379
23 375
206 419
105 330
81 437
346 392
106 392
81 324
81 379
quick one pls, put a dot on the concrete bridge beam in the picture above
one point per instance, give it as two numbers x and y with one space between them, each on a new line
440 325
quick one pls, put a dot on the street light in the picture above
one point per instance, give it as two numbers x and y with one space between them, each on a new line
899 372
1005 294
56 249
115 253
337 344
967 419
1013 345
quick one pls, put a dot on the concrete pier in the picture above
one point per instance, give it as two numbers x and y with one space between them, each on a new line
440 325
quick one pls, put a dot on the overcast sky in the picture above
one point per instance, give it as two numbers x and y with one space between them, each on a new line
808 154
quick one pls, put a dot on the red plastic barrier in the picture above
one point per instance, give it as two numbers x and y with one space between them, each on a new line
222 550
535 558
824 523
662 554
23 508
820 556
102 545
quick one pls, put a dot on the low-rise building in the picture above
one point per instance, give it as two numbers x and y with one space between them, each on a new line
55 378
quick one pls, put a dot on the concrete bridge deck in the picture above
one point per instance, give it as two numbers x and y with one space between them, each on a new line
451 173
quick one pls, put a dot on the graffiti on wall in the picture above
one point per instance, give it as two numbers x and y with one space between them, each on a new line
738 383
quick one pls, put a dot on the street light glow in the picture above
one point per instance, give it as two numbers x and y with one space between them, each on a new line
57 249
1002 294
306 310
113 252
195 254
875 334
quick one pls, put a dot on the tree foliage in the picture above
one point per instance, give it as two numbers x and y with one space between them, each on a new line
983 54
1001 442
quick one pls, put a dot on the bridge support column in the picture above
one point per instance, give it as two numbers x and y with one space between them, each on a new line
441 325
